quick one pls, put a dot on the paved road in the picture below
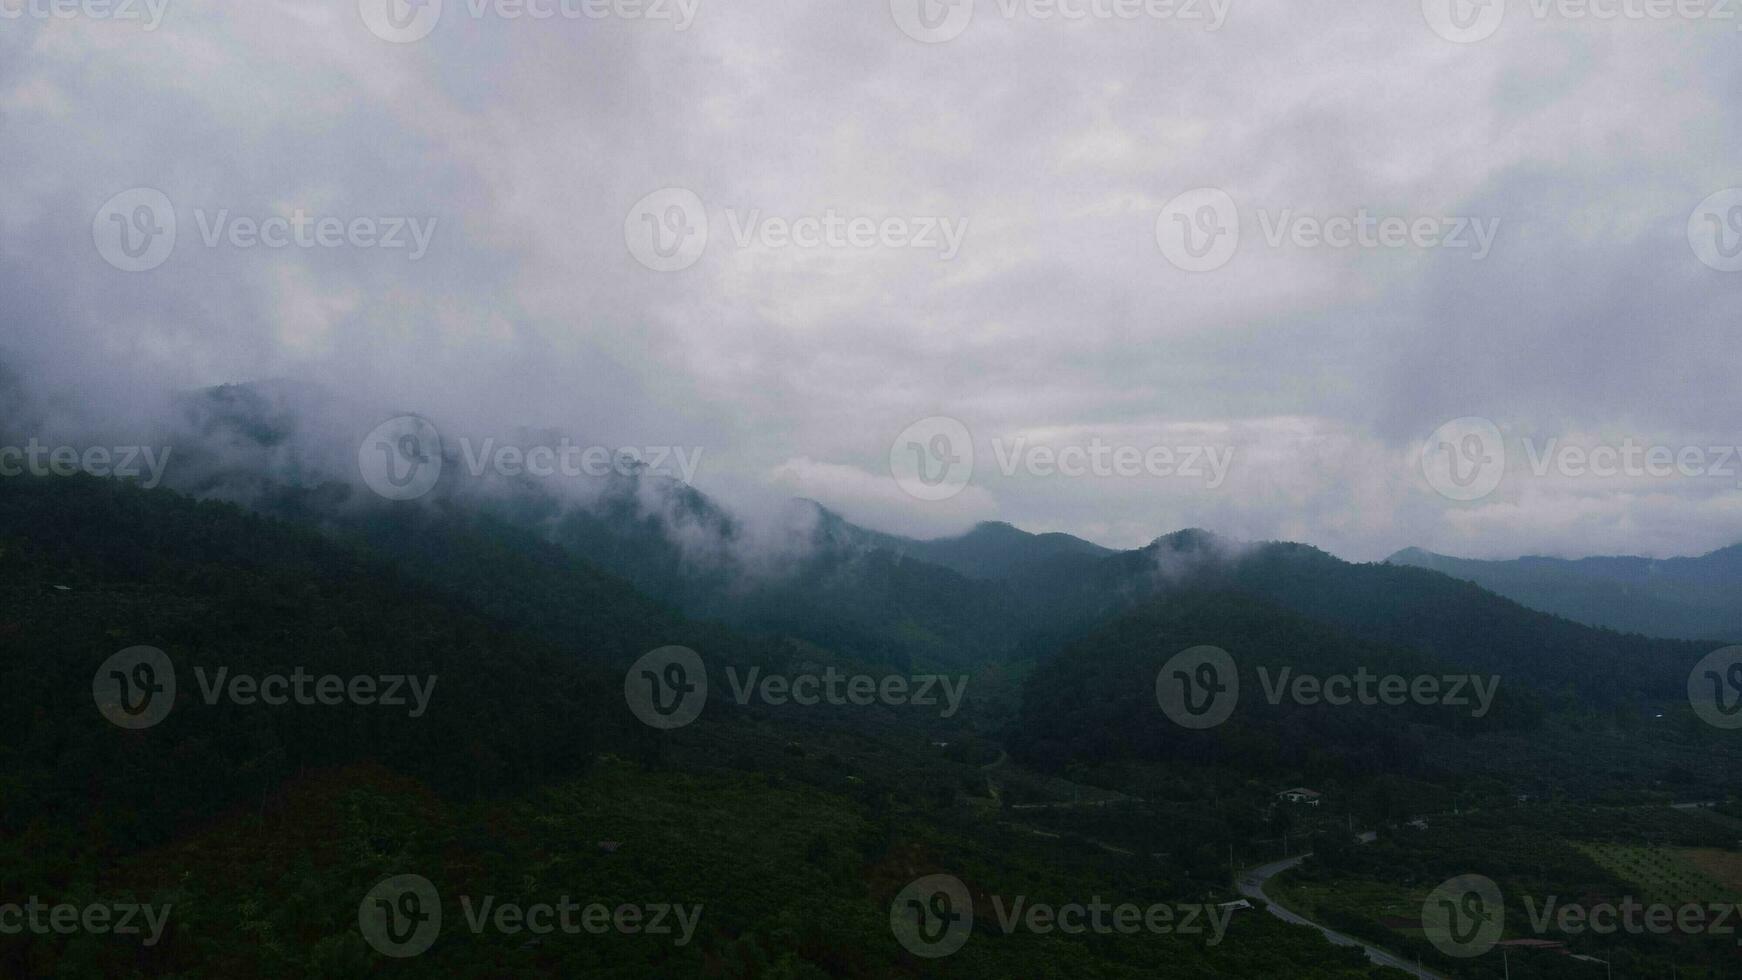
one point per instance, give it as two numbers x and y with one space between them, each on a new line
1251 885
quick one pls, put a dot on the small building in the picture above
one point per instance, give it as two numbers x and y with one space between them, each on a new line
1300 794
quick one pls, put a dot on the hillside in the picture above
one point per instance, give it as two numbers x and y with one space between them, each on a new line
1698 598
525 780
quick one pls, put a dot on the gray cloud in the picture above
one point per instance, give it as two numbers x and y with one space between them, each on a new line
1322 370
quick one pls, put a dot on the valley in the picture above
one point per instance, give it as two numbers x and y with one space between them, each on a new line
1041 767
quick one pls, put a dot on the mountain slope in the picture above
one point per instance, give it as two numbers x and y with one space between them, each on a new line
273 822
1696 598
1097 699
993 594
90 568
1452 621
996 550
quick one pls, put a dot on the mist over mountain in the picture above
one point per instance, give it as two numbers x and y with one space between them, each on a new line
659 490
996 550
993 593
271 533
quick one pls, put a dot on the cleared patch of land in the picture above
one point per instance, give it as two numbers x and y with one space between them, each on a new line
1724 867
1674 875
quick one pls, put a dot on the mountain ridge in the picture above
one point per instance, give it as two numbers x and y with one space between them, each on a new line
1695 597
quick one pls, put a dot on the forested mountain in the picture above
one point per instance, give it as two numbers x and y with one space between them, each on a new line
521 775
1697 598
526 601
993 594
810 573
996 550
1096 700
1452 621
92 567
645 489
1091 710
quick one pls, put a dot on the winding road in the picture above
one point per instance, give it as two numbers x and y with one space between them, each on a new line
1251 885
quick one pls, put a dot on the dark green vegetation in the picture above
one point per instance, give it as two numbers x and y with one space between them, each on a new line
1692 598
1060 779
1536 853
527 780
1094 704
994 594
1581 711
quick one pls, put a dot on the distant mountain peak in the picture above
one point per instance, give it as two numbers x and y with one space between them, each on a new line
1691 598
1192 539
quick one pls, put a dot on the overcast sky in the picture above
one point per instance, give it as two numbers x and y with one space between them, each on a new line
1017 266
